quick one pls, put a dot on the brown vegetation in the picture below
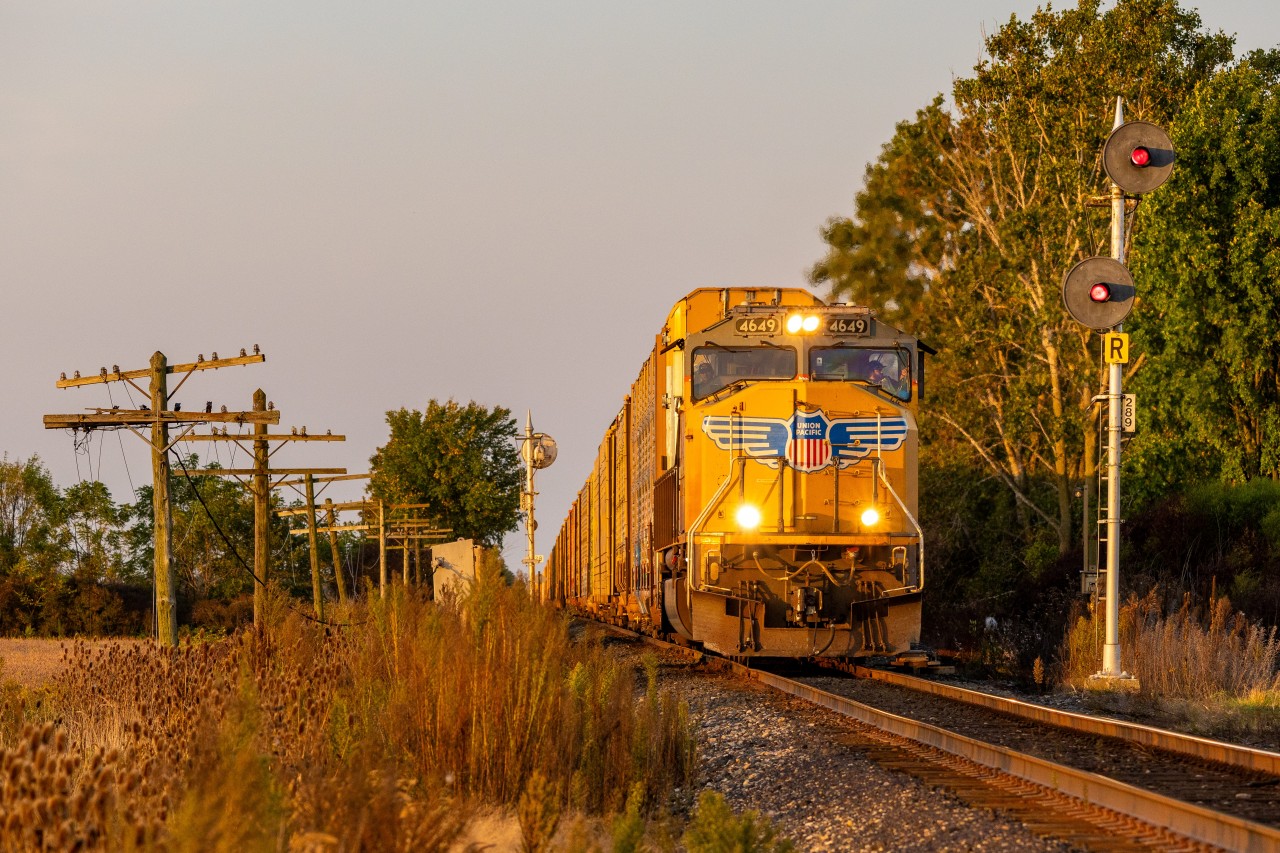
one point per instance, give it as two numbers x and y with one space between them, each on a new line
1209 668
386 734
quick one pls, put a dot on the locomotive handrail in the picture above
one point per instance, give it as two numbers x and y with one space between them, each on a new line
879 469
701 520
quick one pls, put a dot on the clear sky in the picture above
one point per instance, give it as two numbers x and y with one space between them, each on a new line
402 201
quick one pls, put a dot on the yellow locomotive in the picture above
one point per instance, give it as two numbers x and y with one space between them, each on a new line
757 493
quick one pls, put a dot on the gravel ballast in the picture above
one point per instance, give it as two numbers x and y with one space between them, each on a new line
803 767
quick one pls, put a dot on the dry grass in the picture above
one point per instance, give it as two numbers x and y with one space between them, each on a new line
35 662
1209 670
386 735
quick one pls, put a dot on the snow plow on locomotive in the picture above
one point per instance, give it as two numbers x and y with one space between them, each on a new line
757 493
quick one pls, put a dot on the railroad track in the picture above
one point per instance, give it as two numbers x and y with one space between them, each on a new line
1098 784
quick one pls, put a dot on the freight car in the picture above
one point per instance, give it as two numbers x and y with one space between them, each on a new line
757 493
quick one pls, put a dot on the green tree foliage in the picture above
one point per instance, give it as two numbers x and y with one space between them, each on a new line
31 535
1208 263
975 210
61 556
459 460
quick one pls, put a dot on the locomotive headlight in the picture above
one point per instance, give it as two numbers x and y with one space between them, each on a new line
807 323
870 517
748 517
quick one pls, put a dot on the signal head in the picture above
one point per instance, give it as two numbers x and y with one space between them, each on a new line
1098 293
1138 156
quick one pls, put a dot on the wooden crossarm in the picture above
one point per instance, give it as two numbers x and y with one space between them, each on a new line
211 364
336 507
145 417
252 437
248 472
325 479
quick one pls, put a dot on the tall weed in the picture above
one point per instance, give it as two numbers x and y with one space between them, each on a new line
1190 652
378 735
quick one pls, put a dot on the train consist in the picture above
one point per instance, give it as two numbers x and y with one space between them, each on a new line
757 493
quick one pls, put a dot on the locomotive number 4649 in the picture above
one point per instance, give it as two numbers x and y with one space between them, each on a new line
769 325
856 325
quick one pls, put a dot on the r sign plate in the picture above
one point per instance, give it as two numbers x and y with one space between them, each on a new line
857 325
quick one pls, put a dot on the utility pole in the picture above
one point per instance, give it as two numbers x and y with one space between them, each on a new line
331 518
158 417
308 482
166 596
260 488
408 532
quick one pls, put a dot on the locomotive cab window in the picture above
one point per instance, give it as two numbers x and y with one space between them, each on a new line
888 369
716 367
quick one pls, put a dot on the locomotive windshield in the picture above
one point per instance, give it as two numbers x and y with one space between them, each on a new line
716 367
887 369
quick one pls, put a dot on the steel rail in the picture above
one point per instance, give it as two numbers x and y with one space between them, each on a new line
1206 749
1185 819
1188 820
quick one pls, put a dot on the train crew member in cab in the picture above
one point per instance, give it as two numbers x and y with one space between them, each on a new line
704 379
891 374
876 373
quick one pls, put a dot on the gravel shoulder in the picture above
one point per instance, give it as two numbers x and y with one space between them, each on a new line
802 767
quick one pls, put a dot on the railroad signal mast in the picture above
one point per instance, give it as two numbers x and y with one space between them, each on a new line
538 450
1099 294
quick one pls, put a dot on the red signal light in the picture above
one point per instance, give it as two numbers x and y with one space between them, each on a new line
1100 292
1140 157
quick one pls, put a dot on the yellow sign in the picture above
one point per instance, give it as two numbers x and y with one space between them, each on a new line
1115 348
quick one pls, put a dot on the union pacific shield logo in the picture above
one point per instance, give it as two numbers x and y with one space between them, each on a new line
808 448
809 441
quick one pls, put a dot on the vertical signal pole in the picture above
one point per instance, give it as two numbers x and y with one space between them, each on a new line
261 513
1099 293
1115 390
529 525
166 598
538 451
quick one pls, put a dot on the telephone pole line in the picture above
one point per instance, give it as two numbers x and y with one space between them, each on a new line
159 418
331 527
260 488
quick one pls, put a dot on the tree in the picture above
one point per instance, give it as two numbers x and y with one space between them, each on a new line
1208 262
95 525
31 534
459 460
972 215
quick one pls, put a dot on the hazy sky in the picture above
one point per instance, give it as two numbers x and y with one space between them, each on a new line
402 201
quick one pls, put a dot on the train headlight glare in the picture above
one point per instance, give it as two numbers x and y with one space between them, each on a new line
748 517
870 517
794 323
810 323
